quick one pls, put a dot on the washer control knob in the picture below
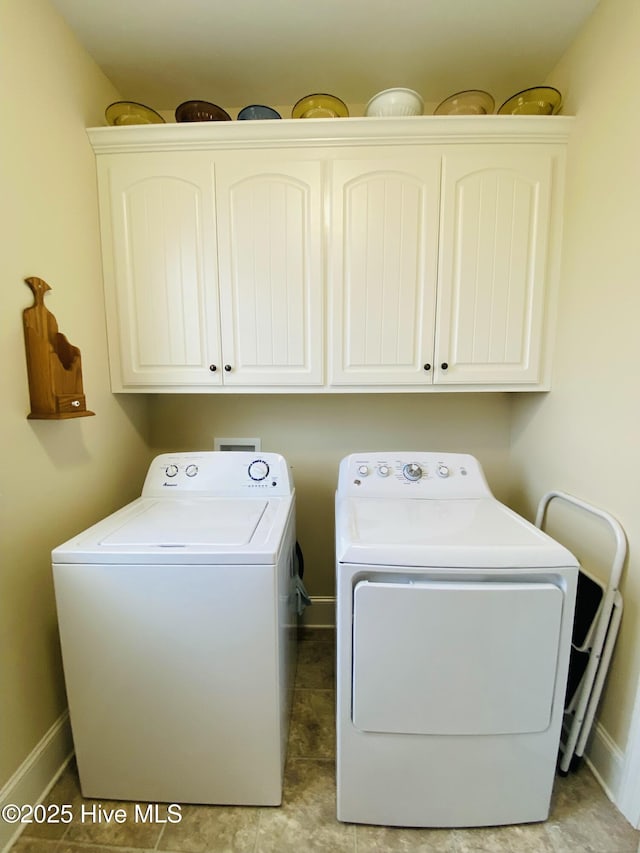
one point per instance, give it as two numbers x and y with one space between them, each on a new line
171 470
191 470
258 470
443 471
363 470
384 470
412 471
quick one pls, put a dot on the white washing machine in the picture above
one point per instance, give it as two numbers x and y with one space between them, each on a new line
454 619
177 621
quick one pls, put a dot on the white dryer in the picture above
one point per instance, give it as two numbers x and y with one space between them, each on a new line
177 622
454 619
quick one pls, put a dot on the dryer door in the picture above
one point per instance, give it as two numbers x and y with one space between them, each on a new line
455 658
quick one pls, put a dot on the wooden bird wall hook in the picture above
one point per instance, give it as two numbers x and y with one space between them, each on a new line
54 366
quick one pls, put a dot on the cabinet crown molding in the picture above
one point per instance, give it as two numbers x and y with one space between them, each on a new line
418 130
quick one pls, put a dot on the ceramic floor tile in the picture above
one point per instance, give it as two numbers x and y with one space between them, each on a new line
575 794
290 833
73 847
317 635
66 791
589 834
212 829
528 838
484 840
583 818
382 839
612 826
316 667
312 729
35 845
306 821
92 826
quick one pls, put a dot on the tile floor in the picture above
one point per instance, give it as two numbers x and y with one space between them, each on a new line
582 818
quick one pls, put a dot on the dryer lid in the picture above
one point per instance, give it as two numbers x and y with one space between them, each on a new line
474 533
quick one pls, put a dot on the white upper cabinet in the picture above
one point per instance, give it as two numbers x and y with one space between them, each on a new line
332 255
494 242
270 265
213 271
159 255
383 267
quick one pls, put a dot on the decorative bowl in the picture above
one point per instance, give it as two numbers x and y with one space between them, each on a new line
201 111
257 111
471 102
538 101
130 112
320 105
395 102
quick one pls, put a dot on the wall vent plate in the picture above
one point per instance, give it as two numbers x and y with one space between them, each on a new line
251 445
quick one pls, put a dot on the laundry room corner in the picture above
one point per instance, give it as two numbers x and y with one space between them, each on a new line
582 436
58 475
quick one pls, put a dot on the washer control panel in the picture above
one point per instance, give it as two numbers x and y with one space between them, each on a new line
213 473
408 474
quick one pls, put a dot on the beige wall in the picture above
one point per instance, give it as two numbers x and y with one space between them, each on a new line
57 476
315 431
584 437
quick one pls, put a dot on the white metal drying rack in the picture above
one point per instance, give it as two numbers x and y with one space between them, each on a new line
579 717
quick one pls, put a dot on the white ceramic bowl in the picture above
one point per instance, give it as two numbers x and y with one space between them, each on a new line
395 102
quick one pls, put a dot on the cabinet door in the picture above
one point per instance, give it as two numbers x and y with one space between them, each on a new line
270 266
494 245
159 248
383 247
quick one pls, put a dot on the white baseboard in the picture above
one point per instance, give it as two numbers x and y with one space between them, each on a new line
37 774
606 760
321 614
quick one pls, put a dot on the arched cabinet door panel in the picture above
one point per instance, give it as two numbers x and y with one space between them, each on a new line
494 257
383 254
160 271
271 268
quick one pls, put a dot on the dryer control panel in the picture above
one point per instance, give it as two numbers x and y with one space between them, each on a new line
412 474
218 473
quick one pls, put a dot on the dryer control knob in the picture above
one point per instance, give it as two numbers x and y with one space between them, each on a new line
384 470
443 471
412 471
191 470
363 470
258 470
171 470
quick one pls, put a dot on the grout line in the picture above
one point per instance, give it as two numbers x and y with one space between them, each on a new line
316 689
330 759
92 846
255 844
157 844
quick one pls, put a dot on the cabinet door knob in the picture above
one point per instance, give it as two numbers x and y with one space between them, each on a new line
427 367
444 365
227 367
212 368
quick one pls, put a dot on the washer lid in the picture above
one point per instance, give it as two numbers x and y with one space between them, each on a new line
203 522
184 530
475 533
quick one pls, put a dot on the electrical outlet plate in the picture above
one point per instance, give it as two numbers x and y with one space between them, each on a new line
252 445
